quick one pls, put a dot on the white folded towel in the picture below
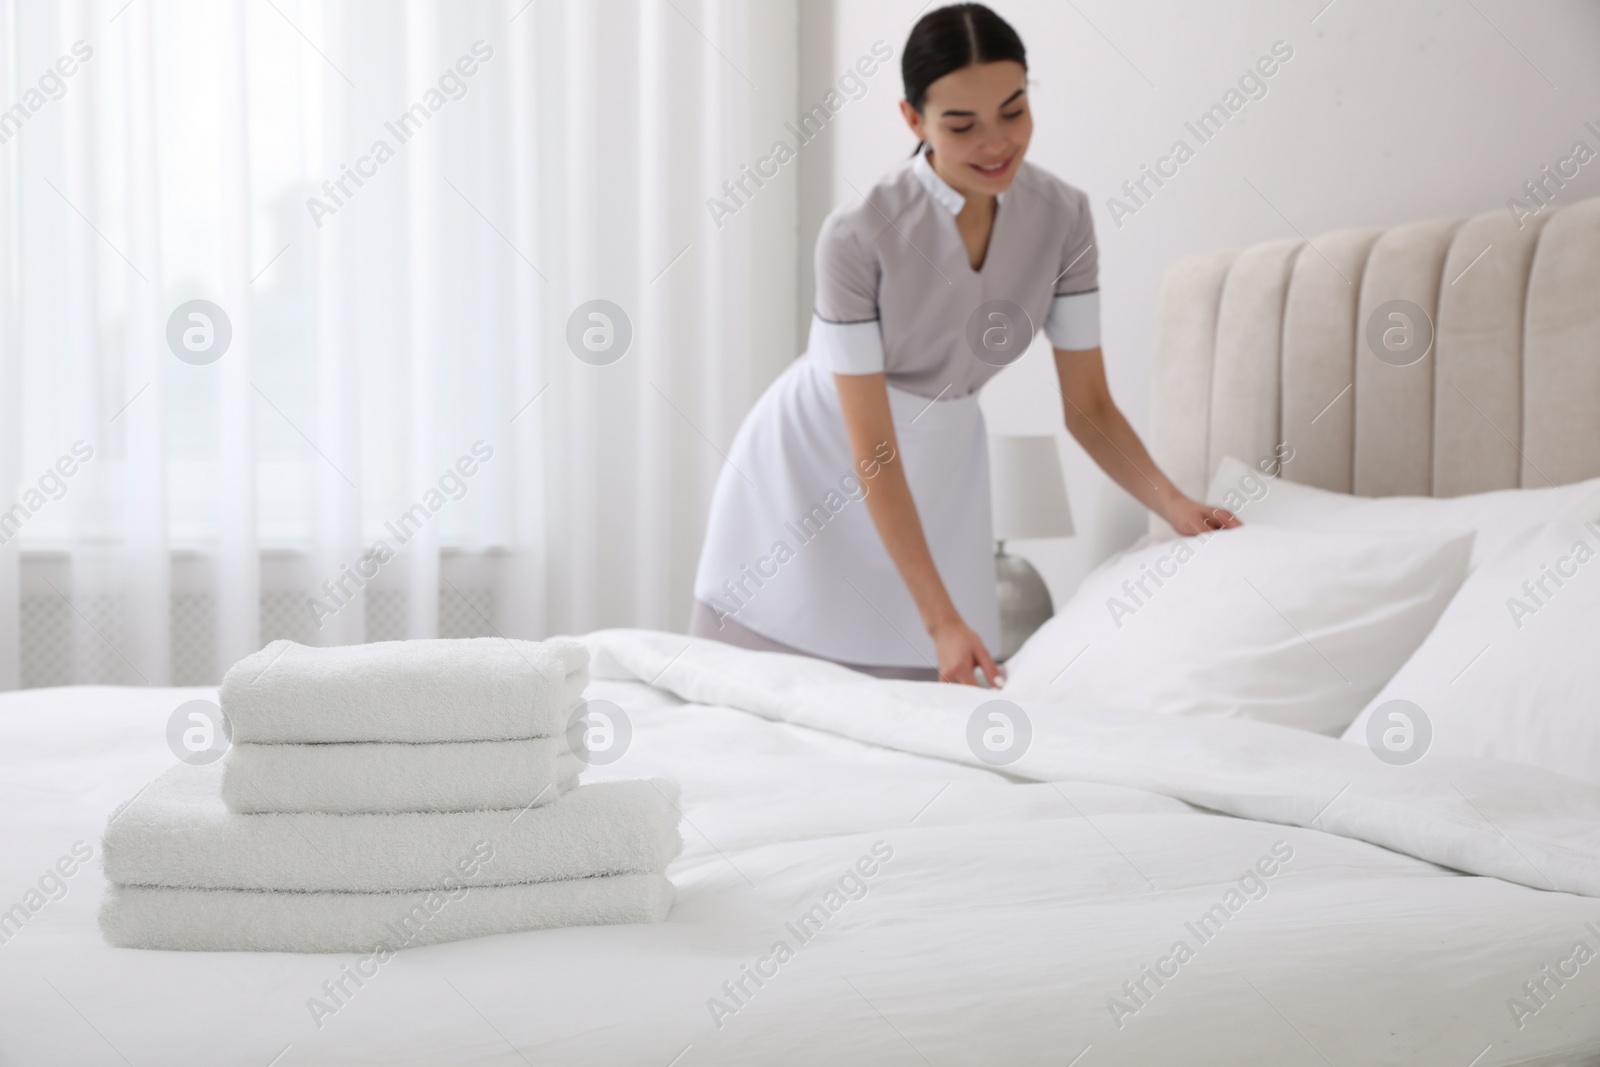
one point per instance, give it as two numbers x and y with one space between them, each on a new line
177 832
390 777
249 921
469 689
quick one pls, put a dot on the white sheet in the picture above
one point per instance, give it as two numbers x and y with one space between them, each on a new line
1008 916
1482 816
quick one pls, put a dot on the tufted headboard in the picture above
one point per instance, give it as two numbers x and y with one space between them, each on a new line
1270 344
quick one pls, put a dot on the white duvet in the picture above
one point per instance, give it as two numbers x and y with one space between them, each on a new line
858 887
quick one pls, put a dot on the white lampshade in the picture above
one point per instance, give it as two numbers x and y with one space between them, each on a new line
1029 493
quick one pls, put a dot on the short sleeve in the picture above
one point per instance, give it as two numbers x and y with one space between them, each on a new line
845 332
1074 321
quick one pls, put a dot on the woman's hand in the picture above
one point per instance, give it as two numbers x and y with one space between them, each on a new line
864 400
960 651
1190 517
1094 420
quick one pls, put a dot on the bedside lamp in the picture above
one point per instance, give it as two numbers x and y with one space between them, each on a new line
1030 501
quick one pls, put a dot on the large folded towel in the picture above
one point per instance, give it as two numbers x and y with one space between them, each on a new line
469 689
391 777
177 832
243 920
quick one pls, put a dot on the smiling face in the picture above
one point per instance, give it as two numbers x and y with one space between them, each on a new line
978 124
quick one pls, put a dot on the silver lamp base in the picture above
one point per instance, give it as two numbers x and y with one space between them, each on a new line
1023 598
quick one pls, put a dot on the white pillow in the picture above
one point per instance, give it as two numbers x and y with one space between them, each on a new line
1497 517
1287 626
1512 670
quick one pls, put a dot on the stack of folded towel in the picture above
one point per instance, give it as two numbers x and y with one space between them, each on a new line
387 795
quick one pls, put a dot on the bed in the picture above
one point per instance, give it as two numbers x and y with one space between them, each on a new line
935 907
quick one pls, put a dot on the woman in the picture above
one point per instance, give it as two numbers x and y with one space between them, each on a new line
852 521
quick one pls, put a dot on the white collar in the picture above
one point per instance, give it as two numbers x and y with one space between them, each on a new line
937 187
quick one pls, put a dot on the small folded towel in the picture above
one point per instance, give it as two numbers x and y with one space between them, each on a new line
386 777
177 832
238 920
464 689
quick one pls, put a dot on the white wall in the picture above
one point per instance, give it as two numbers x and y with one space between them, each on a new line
1386 113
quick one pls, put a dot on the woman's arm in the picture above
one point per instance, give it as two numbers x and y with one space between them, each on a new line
1100 427
864 398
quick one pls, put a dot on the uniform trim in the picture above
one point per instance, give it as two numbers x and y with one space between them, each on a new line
847 347
1074 321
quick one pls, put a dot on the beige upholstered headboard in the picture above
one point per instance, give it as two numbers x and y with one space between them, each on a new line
1269 345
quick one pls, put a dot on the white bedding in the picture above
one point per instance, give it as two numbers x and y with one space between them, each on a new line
1007 916
1296 627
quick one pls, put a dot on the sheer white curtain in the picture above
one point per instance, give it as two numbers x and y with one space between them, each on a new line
10 408
397 208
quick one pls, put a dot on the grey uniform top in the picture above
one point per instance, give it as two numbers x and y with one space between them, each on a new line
896 293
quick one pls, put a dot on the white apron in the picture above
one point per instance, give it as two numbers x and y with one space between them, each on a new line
791 551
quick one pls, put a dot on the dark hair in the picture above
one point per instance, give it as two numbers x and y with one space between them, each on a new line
950 39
